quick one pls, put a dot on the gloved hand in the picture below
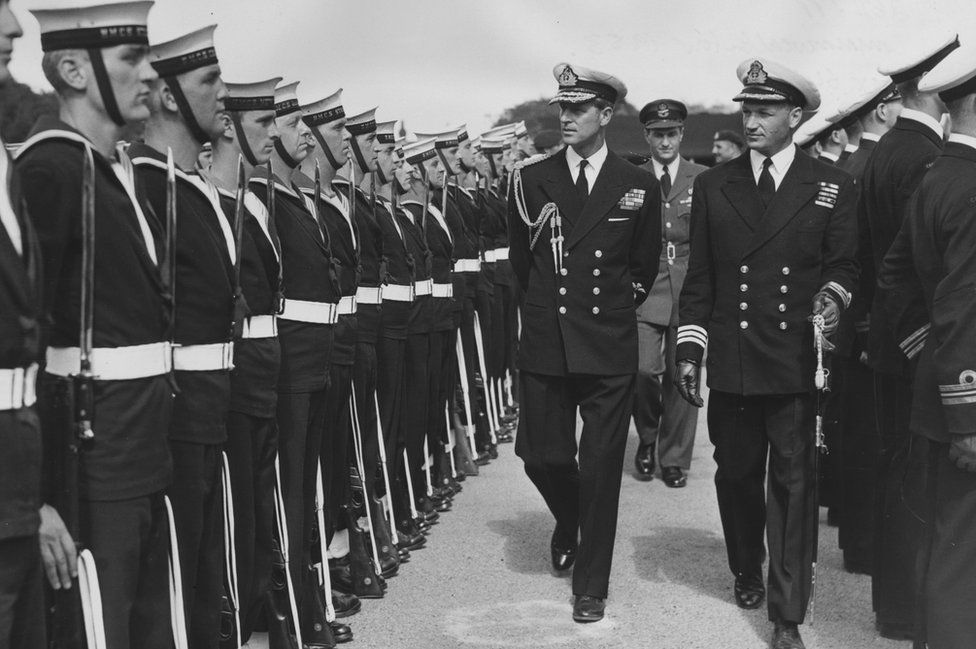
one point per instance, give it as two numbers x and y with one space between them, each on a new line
825 305
686 380
962 452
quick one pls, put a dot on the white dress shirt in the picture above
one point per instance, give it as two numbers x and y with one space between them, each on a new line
594 164
672 168
922 118
872 137
781 164
830 156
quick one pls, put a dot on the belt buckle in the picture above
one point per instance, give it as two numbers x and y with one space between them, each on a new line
672 253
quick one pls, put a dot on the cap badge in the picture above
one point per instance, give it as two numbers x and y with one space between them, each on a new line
663 111
756 73
567 77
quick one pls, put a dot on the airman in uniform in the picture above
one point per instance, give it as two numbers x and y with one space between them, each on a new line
665 422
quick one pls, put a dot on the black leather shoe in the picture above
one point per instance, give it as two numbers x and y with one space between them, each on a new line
563 553
749 591
644 462
341 632
493 451
587 608
504 436
786 635
674 477
345 604
896 630
482 459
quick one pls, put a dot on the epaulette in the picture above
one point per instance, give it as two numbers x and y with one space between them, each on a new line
539 157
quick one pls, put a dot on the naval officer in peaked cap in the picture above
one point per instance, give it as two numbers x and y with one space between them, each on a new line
772 241
585 239
925 282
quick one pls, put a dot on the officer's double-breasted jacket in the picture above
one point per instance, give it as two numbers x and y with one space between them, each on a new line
931 265
753 272
578 315
661 306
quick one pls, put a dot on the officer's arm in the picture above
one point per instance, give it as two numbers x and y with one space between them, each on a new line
953 314
901 293
645 247
518 241
697 293
839 269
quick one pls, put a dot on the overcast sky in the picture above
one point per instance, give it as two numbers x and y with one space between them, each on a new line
436 63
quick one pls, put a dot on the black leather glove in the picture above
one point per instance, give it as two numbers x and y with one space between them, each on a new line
686 380
824 304
962 452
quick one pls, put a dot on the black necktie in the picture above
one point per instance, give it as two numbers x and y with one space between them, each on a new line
665 183
767 188
582 187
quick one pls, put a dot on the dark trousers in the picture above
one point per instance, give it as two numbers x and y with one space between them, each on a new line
301 420
582 492
859 470
744 430
901 480
420 386
948 559
365 377
197 498
661 416
476 396
252 445
22 623
391 356
335 454
129 540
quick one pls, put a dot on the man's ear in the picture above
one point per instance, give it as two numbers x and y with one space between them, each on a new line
166 99
228 132
75 70
606 115
796 115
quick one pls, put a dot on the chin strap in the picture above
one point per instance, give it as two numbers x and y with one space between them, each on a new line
105 86
186 110
285 156
245 146
360 160
325 149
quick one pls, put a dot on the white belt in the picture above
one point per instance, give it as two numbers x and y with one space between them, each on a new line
18 387
501 254
423 287
442 290
347 305
467 265
113 363
261 326
203 358
314 312
369 295
489 256
398 292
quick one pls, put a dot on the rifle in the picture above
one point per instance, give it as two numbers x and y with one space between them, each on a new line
77 619
230 627
170 259
240 305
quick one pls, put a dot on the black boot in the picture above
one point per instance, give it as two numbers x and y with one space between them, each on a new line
316 632
365 581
